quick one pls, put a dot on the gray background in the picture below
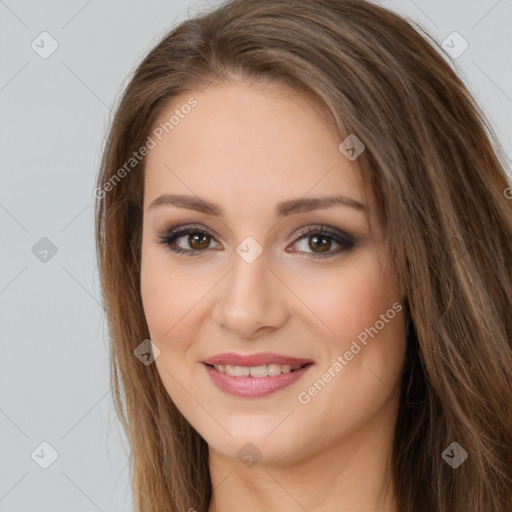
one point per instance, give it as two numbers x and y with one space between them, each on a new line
54 115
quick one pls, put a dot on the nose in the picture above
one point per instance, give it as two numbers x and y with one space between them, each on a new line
252 300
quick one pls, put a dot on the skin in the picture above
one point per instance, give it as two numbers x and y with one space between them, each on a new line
247 147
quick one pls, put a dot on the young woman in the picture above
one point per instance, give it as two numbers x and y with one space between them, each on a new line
304 234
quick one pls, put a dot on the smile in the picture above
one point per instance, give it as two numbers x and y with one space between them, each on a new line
254 376
265 370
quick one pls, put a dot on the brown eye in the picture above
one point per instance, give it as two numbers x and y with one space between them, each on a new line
195 240
322 243
317 241
199 241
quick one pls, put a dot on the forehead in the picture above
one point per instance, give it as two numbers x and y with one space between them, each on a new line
255 142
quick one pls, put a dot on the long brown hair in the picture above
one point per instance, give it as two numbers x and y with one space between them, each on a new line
437 172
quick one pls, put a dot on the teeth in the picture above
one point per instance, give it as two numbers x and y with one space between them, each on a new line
258 371
264 370
275 369
241 371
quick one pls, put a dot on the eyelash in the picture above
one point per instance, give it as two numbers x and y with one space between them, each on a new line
345 240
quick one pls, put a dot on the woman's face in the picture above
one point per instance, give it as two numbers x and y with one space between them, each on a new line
278 324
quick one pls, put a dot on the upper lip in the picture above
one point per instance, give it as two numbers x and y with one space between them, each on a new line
254 359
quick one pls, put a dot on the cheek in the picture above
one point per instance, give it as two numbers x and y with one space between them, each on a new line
168 301
166 297
362 320
173 297
348 299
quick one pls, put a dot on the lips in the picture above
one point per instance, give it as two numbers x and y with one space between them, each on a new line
230 373
260 359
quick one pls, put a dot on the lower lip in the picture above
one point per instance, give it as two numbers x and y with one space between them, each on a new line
254 387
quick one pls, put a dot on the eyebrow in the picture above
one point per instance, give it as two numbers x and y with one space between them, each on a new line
283 208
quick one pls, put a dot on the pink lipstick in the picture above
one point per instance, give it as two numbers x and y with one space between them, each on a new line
256 375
